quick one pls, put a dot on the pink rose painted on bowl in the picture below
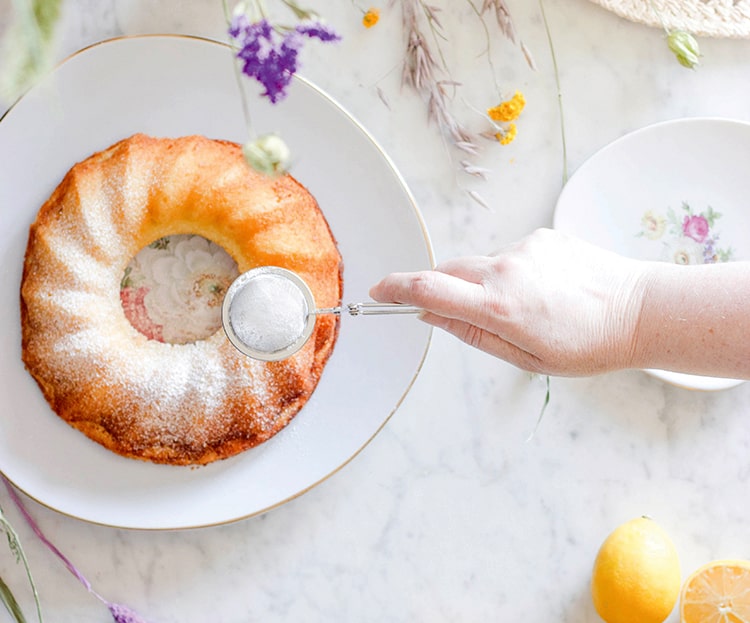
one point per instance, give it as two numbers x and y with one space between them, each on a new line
686 236
696 227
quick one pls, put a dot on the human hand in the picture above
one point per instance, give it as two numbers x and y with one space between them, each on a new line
549 303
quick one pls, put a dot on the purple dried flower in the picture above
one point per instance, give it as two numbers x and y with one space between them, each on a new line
271 57
239 24
318 30
123 614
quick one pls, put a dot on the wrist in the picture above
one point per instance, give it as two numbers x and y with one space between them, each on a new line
640 280
648 287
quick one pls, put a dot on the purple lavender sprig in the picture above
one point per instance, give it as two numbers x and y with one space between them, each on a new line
123 614
270 55
120 613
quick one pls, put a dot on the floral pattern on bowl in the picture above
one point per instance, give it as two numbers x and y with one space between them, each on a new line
173 289
686 237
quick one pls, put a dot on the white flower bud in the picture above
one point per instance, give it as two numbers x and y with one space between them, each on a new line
268 154
685 48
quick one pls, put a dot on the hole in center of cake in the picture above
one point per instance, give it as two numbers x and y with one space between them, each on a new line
172 290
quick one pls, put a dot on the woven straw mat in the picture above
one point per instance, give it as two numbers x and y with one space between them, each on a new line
710 18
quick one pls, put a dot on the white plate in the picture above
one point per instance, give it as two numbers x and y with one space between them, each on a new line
172 86
701 163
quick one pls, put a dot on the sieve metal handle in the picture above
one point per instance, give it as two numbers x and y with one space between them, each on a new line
369 309
379 309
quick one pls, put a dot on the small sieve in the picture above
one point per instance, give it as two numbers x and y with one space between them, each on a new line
269 312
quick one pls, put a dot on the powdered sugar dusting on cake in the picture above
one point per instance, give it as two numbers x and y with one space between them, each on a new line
73 259
176 392
78 303
99 224
173 403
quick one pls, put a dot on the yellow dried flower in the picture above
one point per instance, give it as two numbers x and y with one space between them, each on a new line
506 136
371 18
509 110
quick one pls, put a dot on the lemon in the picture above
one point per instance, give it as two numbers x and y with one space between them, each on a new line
636 577
718 591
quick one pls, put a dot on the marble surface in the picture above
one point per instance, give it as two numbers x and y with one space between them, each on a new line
450 513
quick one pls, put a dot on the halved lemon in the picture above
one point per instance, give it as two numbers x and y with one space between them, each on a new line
718 592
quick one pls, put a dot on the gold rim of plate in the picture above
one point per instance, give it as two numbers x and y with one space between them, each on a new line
387 417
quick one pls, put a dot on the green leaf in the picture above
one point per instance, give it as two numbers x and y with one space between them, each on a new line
710 215
160 244
545 404
126 281
9 601
725 255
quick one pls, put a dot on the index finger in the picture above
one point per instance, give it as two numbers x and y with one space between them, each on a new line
433 291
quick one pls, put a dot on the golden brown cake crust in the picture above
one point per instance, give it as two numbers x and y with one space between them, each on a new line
168 403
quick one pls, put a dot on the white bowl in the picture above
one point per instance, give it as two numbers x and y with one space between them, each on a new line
633 196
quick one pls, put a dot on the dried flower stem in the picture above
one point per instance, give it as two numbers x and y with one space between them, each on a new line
545 404
426 71
559 93
423 74
487 39
298 11
659 16
10 603
268 53
6 596
542 411
240 85
120 613
431 80
436 28
680 42
502 15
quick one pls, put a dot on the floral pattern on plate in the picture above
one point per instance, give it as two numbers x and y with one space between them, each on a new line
173 289
687 237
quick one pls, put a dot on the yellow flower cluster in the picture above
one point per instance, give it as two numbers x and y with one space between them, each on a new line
507 112
506 136
371 18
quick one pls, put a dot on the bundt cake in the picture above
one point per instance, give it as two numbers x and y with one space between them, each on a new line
182 404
